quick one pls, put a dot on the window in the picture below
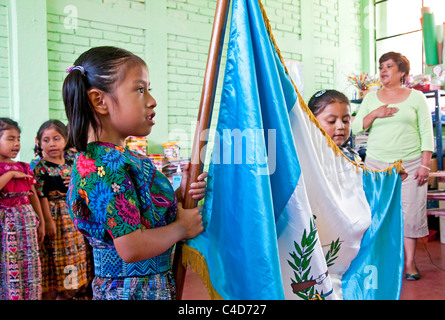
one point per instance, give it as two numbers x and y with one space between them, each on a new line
398 28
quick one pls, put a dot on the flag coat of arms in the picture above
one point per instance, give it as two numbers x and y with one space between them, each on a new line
287 215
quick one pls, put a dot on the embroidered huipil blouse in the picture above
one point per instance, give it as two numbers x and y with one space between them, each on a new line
113 192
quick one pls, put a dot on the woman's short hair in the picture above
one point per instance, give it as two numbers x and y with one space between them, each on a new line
401 61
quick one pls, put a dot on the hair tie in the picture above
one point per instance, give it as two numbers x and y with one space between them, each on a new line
320 93
80 68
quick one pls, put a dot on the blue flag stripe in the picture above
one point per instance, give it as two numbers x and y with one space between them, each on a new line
250 191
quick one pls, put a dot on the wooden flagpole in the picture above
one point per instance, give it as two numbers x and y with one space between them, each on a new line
203 124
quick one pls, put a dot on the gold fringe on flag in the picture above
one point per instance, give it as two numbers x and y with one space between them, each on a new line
305 108
193 258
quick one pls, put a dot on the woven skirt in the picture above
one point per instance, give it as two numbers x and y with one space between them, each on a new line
63 257
160 286
20 270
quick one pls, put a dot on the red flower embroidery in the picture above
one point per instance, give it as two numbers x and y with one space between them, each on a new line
85 166
112 223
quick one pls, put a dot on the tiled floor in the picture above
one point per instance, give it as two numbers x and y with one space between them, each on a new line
430 260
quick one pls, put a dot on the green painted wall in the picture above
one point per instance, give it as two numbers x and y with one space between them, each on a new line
4 61
27 101
39 39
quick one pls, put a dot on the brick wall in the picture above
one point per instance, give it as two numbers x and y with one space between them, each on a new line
326 24
187 59
324 72
329 66
126 4
4 63
186 66
65 44
321 34
201 11
284 16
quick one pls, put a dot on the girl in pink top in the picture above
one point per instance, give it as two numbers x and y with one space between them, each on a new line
21 221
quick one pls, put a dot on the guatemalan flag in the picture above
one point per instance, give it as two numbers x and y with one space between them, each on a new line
287 215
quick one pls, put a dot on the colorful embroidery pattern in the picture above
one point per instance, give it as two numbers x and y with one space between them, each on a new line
49 176
67 248
114 192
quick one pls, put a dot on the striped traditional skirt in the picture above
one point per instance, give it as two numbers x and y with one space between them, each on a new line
20 271
160 286
64 257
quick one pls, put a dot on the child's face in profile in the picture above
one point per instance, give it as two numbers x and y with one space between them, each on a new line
335 119
134 105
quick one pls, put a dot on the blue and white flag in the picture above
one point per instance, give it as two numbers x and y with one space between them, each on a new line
287 215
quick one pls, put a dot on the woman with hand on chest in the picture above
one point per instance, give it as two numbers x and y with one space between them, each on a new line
399 125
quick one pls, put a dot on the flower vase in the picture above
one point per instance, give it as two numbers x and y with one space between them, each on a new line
362 93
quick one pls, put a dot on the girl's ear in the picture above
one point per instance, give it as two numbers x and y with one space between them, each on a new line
97 101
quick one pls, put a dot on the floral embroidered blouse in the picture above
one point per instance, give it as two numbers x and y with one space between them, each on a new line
114 191
50 175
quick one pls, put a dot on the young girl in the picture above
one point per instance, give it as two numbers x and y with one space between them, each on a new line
331 109
117 198
63 253
21 221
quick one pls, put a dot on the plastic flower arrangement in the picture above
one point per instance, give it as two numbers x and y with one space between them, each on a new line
360 81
